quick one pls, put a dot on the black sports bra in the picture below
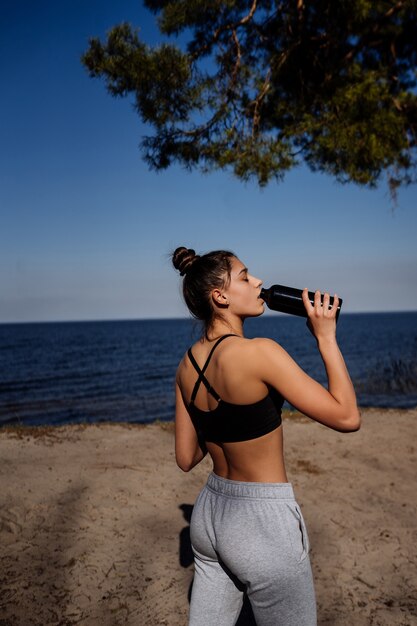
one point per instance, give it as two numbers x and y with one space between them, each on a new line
229 422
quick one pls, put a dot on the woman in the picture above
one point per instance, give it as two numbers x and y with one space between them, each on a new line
247 531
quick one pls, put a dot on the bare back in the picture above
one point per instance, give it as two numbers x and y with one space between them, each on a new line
233 372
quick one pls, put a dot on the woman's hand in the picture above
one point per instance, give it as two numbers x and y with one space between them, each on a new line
321 318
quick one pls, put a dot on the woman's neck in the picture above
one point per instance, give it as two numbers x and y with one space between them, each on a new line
225 327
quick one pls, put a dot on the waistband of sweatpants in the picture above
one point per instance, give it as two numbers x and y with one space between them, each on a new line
240 489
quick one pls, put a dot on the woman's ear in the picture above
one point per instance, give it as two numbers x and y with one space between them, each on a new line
219 298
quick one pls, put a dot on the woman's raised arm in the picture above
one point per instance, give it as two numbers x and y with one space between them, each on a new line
334 407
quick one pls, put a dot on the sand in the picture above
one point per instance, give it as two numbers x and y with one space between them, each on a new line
94 522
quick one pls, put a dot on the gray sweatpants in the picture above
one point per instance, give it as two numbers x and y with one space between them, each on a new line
250 537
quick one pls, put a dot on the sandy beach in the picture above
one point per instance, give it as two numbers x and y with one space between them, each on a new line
94 522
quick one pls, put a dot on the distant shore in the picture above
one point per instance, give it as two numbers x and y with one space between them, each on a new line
94 521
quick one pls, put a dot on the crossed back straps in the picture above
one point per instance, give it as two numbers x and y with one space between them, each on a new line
201 378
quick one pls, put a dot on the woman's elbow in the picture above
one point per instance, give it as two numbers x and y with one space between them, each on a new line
351 423
186 462
188 457
184 465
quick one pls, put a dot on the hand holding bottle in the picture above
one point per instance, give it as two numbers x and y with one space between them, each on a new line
321 316
290 300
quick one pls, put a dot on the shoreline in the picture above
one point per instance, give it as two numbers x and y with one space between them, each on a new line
94 522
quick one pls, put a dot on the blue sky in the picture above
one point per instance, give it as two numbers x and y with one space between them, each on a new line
86 229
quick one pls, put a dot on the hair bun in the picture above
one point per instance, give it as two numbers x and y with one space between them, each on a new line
183 259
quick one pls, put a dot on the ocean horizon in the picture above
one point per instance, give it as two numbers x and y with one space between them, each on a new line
175 319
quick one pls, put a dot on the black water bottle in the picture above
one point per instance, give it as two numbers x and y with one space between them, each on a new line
289 300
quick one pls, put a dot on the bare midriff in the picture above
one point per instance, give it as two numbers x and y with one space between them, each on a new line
257 460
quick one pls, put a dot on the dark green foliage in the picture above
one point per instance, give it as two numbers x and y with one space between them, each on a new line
263 84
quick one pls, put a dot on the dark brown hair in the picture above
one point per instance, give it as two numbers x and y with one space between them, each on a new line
202 274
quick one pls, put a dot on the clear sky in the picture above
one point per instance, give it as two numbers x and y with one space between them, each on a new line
86 229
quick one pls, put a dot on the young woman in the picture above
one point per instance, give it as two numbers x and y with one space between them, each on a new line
247 530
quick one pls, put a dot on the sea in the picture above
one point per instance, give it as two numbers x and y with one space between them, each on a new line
57 373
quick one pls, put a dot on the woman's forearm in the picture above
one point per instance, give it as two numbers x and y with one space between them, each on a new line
339 382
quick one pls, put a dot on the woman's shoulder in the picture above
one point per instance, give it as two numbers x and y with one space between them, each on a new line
254 348
197 352
262 343
180 368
